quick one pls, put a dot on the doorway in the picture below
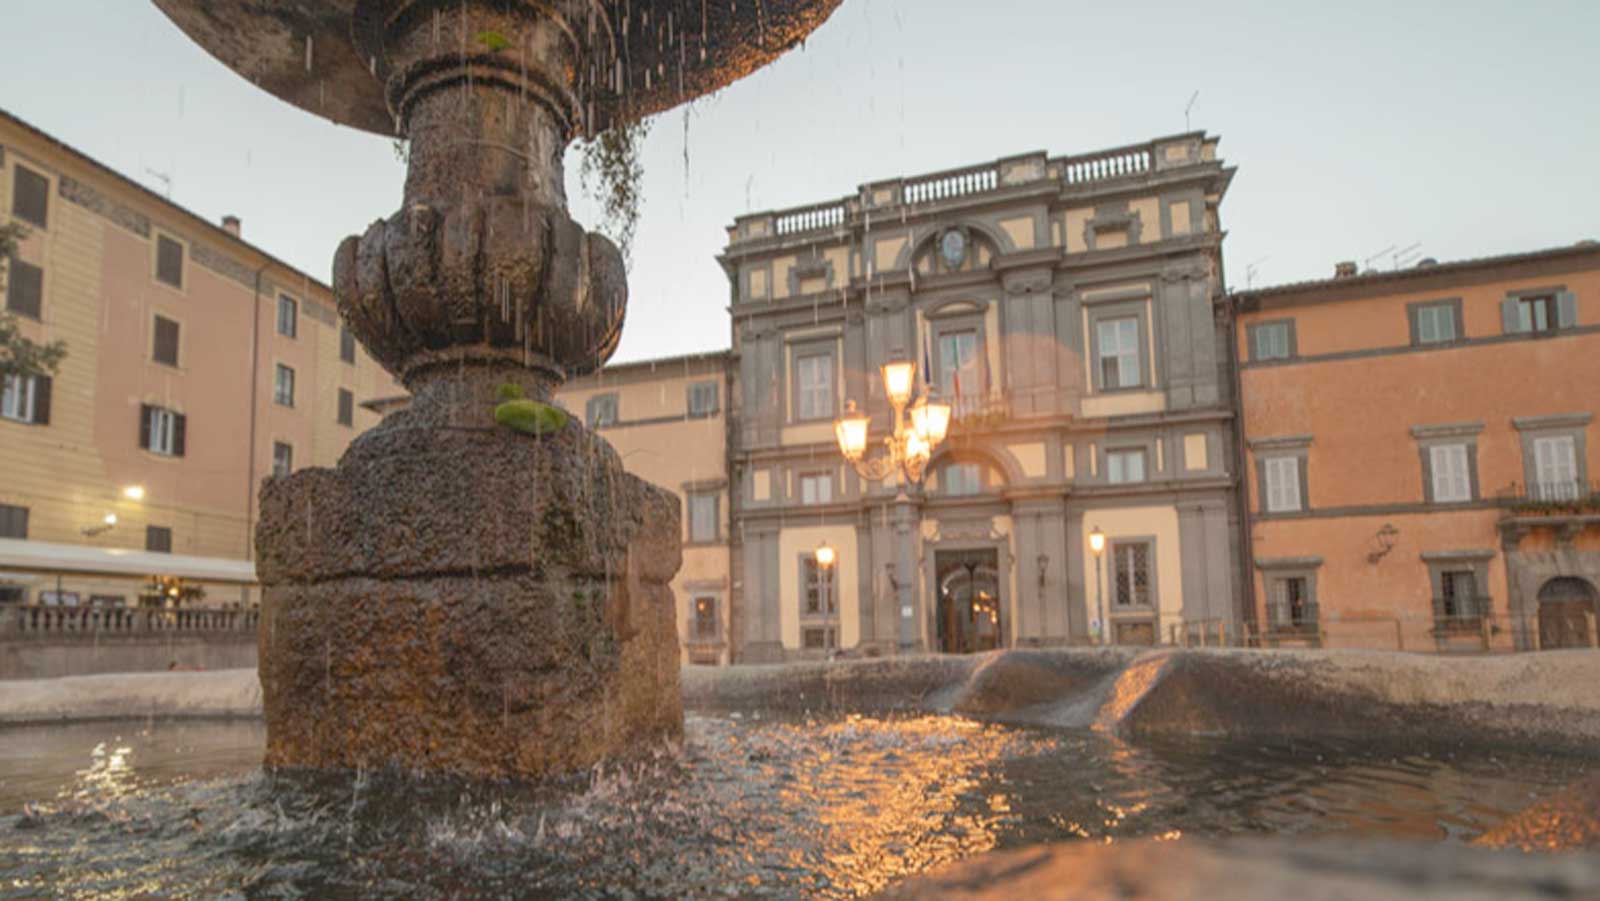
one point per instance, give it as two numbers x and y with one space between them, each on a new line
968 605
1567 613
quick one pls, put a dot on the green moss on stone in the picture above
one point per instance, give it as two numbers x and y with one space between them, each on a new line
530 417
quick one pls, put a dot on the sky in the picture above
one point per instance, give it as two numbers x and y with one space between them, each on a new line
1468 128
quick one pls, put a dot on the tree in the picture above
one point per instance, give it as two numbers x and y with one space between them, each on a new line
18 355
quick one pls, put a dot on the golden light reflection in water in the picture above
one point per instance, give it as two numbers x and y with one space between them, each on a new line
896 797
1131 686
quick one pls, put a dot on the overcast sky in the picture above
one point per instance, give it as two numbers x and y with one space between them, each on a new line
1470 127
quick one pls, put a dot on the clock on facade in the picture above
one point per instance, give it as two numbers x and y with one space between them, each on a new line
953 246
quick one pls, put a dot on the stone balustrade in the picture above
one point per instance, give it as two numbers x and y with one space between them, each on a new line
38 622
48 642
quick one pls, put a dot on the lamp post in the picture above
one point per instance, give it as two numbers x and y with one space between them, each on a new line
825 557
1097 544
917 432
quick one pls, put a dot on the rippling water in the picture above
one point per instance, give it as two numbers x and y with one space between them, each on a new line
746 806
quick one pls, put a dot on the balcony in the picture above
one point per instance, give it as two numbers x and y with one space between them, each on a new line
1560 497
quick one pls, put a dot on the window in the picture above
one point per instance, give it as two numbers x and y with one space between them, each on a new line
703 519
26 398
1119 352
960 378
1451 473
1281 491
961 479
347 407
283 386
702 398
347 344
58 598
817 587
13 521
158 539
13 594
282 458
1555 462
1436 322
814 377
24 289
1123 466
705 618
816 488
165 341
817 638
1289 606
1272 340
108 600
1458 596
169 261
161 431
601 410
1130 563
30 197
288 316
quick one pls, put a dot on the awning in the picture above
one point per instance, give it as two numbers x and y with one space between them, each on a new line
74 559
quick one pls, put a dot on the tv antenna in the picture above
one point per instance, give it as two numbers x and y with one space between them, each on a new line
1366 264
164 178
1250 271
1189 106
1405 255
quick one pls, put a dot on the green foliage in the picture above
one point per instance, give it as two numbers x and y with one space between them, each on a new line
530 417
612 175
18 354
508 391
494 41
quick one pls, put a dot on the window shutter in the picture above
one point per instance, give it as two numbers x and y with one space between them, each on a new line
1566 309
144 426
41 400
1509 320
179 421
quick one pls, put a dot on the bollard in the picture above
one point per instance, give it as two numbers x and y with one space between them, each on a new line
1588 622
1483 629
1399 635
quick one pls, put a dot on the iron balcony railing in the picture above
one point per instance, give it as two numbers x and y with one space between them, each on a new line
1556 495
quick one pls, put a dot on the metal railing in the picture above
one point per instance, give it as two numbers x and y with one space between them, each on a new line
45 622
1566 495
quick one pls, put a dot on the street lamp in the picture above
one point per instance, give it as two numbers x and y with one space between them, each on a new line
825 557
134 492
1097 544
906 455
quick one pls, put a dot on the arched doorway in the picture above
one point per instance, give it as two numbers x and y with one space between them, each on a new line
1567 607
969 600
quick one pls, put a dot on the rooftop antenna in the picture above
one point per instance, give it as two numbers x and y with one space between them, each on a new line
1405 255
1367 263
1189 106
1250 271
164 178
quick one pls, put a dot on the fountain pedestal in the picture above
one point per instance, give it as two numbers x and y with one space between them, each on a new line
457 596
460 597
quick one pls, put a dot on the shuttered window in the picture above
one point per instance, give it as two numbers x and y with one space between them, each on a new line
169 261
288 316
1452 479
347 344
1282 487
30 197
158 539
24 289
347 407
283 386
162 431
282 458
165 348
1555 462
13 521
1118 346
26 399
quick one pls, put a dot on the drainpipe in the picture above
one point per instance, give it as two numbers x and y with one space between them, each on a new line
1242 465
255 380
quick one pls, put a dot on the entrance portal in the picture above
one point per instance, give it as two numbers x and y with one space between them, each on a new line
1567 613
969 600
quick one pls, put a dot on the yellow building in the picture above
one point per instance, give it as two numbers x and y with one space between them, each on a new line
197 364
666 418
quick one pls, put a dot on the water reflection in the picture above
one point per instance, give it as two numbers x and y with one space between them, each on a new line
747 806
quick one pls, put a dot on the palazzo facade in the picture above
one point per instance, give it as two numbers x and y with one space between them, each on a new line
1065 307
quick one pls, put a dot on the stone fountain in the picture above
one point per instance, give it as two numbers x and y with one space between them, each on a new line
456 596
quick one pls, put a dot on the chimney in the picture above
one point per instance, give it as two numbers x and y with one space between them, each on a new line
230 224
1344 269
